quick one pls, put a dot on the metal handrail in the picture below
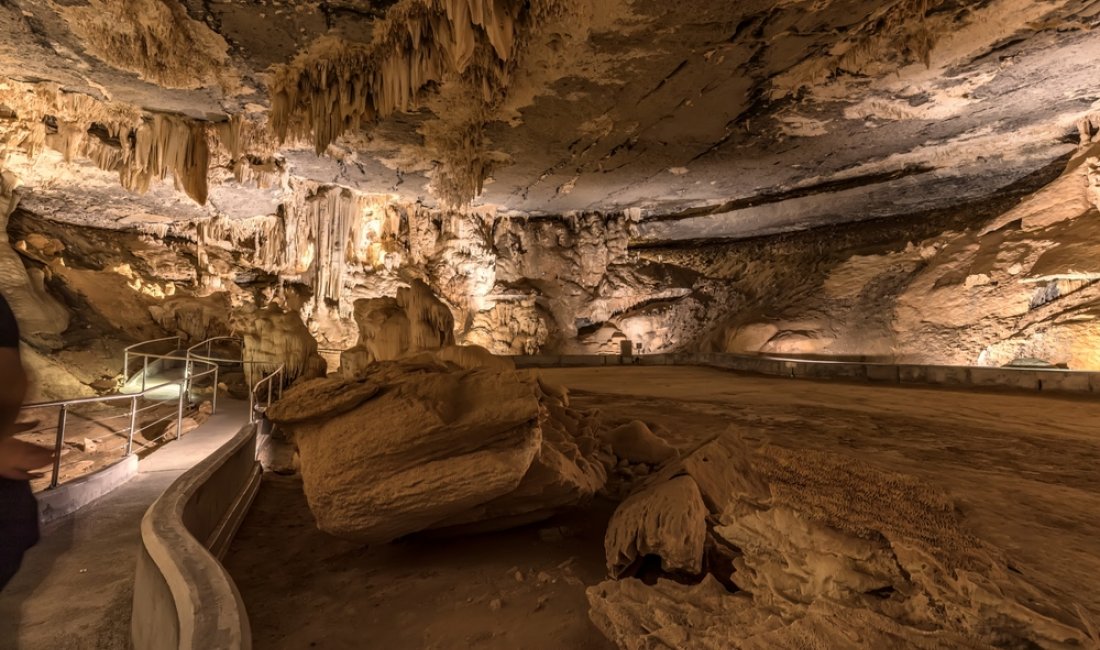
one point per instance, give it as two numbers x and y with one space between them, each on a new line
209 343
270 380
189 358
131 350
184 384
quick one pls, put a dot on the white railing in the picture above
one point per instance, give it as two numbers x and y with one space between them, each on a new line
185 384
269 381
201 354
135 351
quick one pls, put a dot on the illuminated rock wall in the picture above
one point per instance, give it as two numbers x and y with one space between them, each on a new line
1014 283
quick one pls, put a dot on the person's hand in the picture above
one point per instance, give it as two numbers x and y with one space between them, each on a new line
18 458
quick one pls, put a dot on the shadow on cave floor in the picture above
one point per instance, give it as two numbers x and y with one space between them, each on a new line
521 588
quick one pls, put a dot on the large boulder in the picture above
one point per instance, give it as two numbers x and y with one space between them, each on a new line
425 444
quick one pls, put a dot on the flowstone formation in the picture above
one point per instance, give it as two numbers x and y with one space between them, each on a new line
426 444
392 328
743 547
273 339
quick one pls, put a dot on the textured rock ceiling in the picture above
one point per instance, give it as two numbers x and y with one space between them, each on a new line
706 118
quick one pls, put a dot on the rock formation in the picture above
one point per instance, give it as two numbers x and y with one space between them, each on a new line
423 444
1012 284
274 338
818 549
392 328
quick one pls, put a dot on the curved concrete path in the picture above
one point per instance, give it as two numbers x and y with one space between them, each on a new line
75 588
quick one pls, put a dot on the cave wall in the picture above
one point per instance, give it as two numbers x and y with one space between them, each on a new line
981 283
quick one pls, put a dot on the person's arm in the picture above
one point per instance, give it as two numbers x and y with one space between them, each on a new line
18 458
13 389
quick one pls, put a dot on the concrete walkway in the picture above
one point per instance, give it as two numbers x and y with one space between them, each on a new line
74 590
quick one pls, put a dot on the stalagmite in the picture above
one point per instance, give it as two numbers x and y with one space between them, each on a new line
393 328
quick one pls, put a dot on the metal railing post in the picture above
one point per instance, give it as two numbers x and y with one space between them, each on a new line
270 381
126 367
133 425
214 399
61 417
179 410
144 370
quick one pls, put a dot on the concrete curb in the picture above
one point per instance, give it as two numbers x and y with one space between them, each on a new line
67 498
183 598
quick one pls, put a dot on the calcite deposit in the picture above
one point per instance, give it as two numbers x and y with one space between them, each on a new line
275 339
392 328
424 444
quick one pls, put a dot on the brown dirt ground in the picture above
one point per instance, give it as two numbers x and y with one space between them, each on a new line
1021 467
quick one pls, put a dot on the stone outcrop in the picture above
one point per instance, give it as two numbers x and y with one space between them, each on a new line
422 444
1016 280
819 548
634 441
667 520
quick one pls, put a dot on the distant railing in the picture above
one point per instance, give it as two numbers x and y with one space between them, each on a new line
137 350
200 355
185 385
192 355
192 352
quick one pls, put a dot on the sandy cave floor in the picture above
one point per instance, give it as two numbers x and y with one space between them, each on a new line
1020 467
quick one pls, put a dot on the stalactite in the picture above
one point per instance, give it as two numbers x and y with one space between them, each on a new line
167 144
335 87
141 148
327 228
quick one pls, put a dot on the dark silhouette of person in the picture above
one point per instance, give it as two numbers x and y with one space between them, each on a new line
18 458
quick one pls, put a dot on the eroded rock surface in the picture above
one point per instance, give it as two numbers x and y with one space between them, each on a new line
822 548
438 447
667 520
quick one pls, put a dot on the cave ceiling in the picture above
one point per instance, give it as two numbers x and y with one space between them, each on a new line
703 118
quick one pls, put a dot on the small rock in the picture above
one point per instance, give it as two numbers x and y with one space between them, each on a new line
541 602
550 534
495 604
89 445
544 577
518 575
